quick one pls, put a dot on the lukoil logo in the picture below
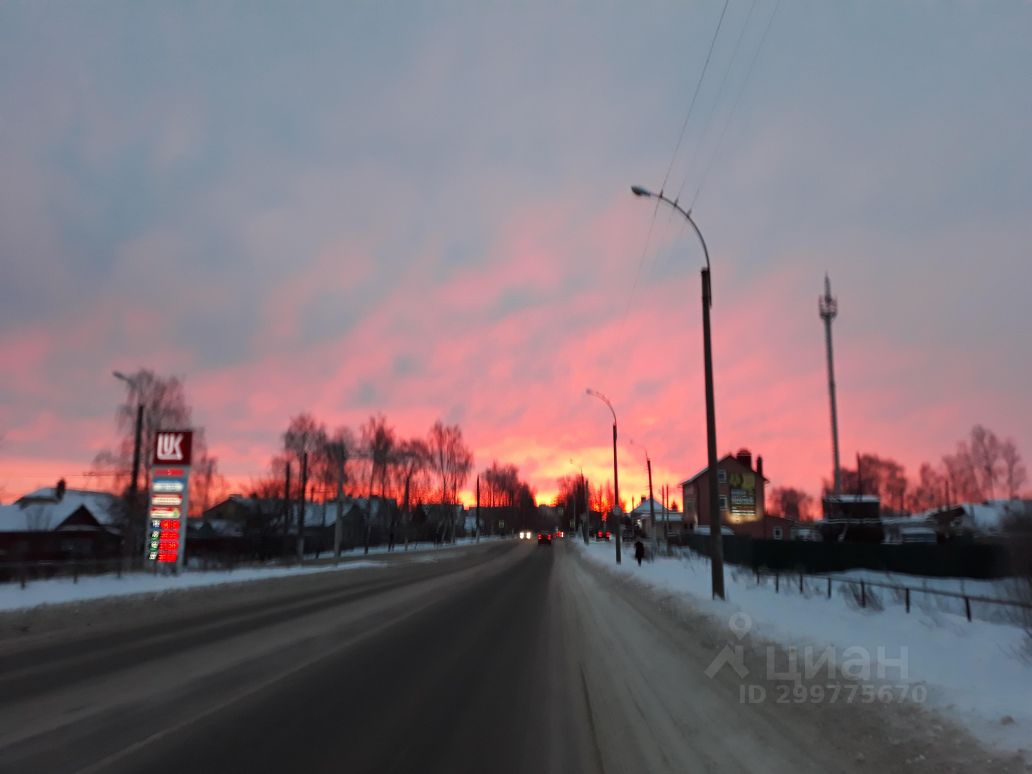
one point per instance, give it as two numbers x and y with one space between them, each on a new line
169 447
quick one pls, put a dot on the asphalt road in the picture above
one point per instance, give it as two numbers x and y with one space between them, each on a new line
505 657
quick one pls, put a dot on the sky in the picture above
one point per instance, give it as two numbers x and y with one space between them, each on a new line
424 209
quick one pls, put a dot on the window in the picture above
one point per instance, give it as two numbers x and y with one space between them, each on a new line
723 502
776 532
721 476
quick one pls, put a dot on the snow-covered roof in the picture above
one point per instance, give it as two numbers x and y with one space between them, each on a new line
988 517
41 510
853 498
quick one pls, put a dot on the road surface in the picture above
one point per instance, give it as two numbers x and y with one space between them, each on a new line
502 657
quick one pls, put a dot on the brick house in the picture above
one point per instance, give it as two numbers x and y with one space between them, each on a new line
742 492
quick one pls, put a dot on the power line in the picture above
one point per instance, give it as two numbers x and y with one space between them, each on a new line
734 106
695 95
716 100
673 159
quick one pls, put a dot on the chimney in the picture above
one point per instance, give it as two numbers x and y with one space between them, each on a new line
759 466
744 457
642 500
59 490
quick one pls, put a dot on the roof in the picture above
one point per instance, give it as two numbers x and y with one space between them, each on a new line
853 498
41 510
720 462
662 514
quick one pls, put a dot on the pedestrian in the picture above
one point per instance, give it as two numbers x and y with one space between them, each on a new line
639 551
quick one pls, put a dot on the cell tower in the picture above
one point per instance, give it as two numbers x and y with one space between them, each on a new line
828 306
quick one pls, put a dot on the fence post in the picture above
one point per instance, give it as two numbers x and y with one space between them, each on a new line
757 576
75 572
118 568
21 574
863 595
777 582
967 608
800 583
829 588
906 595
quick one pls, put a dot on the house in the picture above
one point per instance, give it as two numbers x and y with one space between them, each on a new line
668 521
741 493
56 523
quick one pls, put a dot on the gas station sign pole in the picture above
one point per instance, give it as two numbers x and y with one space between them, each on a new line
169 499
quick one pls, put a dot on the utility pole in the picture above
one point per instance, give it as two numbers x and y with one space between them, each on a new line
301 513
587 507
339 526
134 486
286 510
652 510
476 527
616 498
828 306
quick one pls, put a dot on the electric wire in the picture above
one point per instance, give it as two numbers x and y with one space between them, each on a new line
716 101
695 95
734 107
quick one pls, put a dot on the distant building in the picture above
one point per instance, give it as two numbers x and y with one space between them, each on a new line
55 523
667 521
851 506
741 490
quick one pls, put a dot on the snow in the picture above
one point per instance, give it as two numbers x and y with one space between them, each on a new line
976 673
61 590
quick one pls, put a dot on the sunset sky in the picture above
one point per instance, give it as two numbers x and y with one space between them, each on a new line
424 209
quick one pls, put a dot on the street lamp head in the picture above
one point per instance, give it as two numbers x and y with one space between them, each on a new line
121 376
637 190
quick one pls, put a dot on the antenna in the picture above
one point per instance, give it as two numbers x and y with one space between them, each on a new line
828 306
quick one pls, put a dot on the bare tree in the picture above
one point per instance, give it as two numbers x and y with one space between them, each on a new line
962 476
1014 473
378 441
164 408
986 457
790 503
305 441
451 460
412 458
207 482
930 490
338 451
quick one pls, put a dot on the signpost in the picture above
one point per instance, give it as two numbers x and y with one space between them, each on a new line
169 498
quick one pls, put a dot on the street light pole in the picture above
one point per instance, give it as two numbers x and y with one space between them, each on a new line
583 487
133 485
652 500
716 536
616 476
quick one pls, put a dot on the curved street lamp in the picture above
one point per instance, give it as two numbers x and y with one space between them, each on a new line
716 537
616 479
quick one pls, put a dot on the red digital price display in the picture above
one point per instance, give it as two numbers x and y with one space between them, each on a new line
168 508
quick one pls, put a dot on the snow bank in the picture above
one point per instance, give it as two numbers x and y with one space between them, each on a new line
976 673
59 590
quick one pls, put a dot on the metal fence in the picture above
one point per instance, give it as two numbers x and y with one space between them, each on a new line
1015 610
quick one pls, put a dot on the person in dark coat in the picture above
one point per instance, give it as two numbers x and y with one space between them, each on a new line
639 551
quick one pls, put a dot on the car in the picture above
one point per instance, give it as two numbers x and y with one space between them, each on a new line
544 538
602 534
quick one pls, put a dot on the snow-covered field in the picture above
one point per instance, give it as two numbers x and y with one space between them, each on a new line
976 673
59 590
